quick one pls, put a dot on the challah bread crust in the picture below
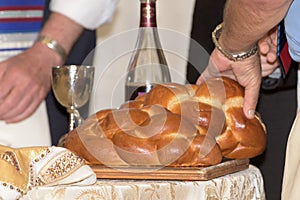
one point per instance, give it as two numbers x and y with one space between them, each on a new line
217 106
161 138
242 137
173 125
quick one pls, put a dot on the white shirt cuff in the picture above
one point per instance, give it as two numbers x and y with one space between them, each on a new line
88 13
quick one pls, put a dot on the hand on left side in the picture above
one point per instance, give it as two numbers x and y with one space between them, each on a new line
25 80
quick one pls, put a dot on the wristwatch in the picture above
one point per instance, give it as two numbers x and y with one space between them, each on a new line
231 56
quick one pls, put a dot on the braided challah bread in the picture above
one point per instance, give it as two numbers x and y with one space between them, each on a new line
216 107
172 125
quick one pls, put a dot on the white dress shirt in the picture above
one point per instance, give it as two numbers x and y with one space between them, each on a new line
88 13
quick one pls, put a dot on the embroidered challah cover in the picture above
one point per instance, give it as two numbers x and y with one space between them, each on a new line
23 169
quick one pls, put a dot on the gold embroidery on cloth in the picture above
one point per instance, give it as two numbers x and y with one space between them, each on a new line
11 158
32 178
58 168
25 168
15 164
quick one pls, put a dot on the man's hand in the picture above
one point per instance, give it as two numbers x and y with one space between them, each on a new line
246 72
25 81
268 52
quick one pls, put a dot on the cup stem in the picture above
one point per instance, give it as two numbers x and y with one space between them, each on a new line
75 118
72 118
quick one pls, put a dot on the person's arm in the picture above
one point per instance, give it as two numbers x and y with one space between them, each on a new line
61 29
244 24
26 78
246 21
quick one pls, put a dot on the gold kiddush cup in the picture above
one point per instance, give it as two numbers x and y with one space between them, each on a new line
72 86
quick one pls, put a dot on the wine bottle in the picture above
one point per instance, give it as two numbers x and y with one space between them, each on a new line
148 65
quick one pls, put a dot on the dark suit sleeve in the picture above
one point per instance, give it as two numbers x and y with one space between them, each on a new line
207 15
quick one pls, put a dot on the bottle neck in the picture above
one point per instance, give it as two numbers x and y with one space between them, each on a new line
148 14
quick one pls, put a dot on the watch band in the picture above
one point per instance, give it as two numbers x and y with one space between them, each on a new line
54 45
231 56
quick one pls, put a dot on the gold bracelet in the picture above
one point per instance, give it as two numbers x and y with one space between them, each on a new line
231 56
53 44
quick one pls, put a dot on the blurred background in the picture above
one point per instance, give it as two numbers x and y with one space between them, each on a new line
116 40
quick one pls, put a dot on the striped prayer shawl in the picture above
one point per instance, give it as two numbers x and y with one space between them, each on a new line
20 22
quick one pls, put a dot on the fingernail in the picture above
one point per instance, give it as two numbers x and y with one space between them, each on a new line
251 113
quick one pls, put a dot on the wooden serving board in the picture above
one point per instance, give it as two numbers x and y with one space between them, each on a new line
171 173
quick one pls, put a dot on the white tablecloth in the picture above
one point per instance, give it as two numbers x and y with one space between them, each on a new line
243 185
